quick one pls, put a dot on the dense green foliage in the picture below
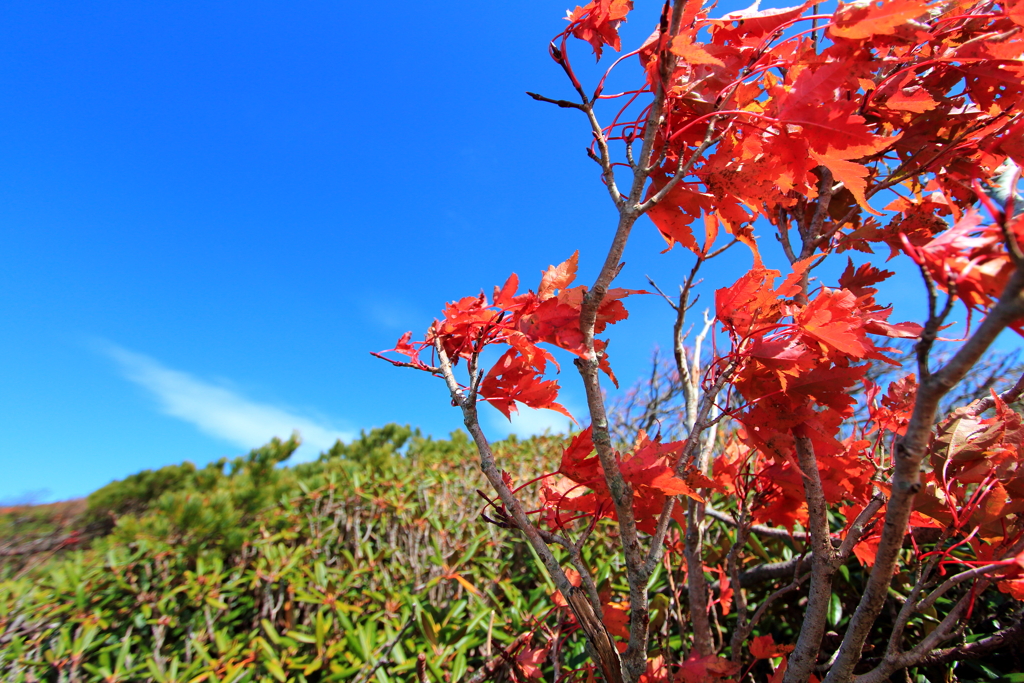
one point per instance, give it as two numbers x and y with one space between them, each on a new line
247 571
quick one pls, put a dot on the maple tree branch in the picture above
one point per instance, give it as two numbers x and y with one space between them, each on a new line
418 365
782 223
759 529
955 580
695 373
755 576
635 657
687 375
564 104
695 514
637 572
909 606
906 482
1002 640
946 629
589 530
774 570
742 633
1012 247
858 528
658 539
629 152
908 609
823 566
683 167
696 583
732 563
622 498
932 326
597 633
815 237
604 159
577 562
1011 395
693 440
693 546
722 249
665 296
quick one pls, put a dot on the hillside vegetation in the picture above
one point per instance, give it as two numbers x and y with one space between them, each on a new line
378 562
338 570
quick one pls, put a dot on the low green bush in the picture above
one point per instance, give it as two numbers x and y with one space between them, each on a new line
342 569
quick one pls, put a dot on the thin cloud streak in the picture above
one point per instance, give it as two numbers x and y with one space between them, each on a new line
220 412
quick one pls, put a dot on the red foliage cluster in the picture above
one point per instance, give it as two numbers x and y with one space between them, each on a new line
799 121
522 322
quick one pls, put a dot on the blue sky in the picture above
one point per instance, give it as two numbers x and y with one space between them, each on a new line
211 212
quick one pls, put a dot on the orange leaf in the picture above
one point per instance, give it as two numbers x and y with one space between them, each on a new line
852 175
671 485
558 277
765 647
465 584
859 20
684 47
916 100
674 226
530 661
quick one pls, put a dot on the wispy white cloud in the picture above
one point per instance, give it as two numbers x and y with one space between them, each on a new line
390 313
220 412
527 422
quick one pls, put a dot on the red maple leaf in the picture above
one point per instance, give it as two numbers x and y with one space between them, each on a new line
530 661
750 26
869 18
648 469
765 647
970 258
914 99
725 591
896 406
833 320
598 23
558 277
706 669
512 379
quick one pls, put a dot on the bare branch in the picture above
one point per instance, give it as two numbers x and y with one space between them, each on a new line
684 166
1002 640
597 634
1011 395
858 528
955 580
759 529
743 633
565 104
823 566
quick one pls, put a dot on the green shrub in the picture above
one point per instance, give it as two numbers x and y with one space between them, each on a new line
246 570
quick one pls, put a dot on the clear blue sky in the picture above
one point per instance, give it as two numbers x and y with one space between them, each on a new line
210 212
